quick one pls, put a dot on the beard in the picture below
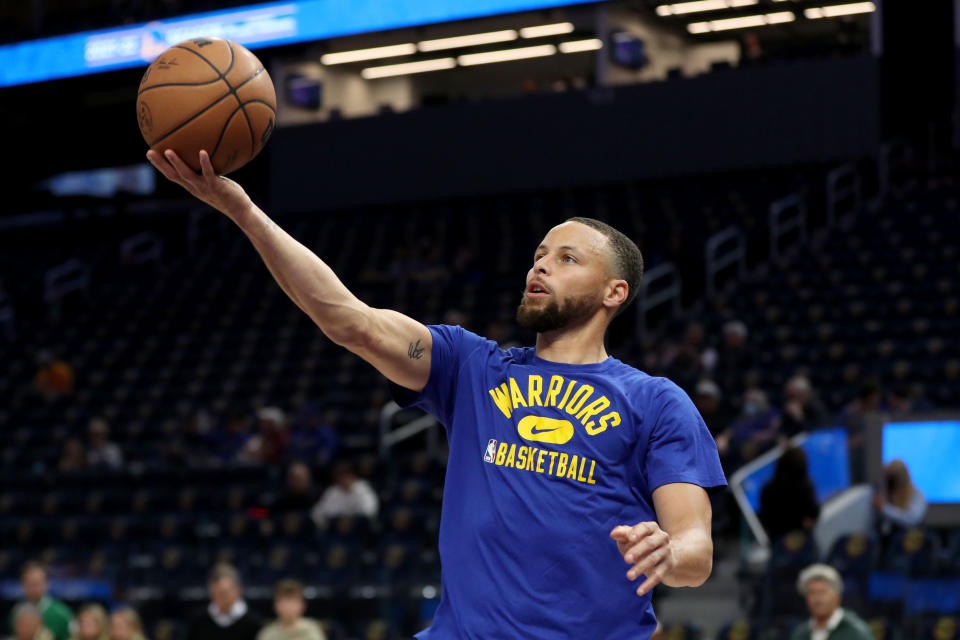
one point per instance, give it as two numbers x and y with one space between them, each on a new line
551 316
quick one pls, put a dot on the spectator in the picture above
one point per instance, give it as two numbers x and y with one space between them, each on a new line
683 362
299 494
822 587
28 624
902 505
709 402
802 411
313 437
102 453
57 617
734 358
290 624
54 377
228 441
754 431
92 623
270 444
125 624
349 496
74 456
788 502
227 616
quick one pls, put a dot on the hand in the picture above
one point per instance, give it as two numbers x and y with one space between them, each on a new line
647 547
219 192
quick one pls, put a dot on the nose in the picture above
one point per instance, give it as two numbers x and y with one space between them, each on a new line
540 266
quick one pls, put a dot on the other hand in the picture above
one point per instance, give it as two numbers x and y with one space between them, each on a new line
647 547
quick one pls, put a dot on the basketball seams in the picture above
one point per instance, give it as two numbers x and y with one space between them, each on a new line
177 84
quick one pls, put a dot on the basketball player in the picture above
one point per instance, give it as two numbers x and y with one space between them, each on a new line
575 482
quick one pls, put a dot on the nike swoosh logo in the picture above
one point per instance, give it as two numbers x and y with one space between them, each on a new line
537 429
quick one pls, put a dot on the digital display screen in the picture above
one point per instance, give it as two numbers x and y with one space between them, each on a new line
931 451
260 25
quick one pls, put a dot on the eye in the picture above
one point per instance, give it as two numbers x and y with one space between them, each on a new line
569 258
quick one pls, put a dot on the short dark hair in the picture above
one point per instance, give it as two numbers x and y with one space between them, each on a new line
32 565
627 260
288 589
223 570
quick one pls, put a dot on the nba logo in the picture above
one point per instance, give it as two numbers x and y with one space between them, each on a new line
491 451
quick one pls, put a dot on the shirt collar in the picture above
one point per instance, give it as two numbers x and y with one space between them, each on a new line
236 612
832 622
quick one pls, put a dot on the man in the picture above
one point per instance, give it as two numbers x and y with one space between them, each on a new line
289 604
553 450
28 624
299 494
822 587
57 617
227 616
349 496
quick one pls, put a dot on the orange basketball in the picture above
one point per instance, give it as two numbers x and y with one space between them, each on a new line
207 93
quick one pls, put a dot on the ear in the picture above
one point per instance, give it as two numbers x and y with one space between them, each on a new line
616 293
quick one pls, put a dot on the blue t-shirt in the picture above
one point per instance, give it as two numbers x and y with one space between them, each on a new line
545 460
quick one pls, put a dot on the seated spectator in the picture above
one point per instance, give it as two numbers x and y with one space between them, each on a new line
269 445
313 437
709 402
754 431
788 502
125 624
57 617
74 456
349 496
92 624
734 358
902 504
227 617
102 453
230 439
28 624
299 494
822 587
289 604
802 411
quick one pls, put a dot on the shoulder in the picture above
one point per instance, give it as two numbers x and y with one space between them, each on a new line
59 608
854 621
800 632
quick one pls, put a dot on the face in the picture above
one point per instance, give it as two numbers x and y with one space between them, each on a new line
822 600
27 625
570 281
344 480
120 628
34 584
289 607
298 479
88 626
223 593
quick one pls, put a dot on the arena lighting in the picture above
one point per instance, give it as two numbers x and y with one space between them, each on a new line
575 46
357 55
505 55
836 10
468 41
407 68
742 22
701 5
557 29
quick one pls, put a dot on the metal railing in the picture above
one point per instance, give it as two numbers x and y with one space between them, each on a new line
665 274
787 215
724 249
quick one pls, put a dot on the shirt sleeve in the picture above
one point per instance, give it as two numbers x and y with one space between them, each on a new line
451 346
680 448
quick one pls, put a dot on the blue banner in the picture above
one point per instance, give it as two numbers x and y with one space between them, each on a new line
261 25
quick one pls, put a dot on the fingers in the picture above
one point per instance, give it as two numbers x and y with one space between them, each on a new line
206 165
187 175
654 577
164 167
646 545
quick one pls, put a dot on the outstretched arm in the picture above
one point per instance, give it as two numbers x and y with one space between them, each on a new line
396 345
679 550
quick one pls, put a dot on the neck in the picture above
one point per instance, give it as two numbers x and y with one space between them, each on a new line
821 622
577 345
288 623
226 608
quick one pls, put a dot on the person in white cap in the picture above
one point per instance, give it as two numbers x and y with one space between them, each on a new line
822 587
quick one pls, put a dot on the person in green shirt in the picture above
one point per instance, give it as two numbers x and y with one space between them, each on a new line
822 587
290 605
57 617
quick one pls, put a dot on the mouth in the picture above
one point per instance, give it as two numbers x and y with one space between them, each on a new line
536 290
